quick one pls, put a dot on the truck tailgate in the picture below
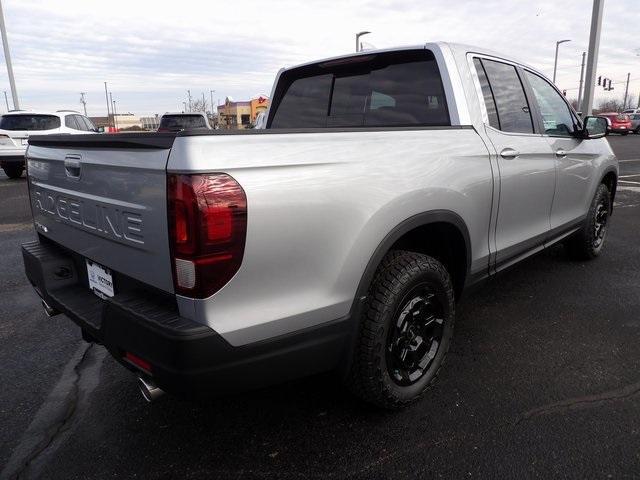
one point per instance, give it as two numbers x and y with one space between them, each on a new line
104 198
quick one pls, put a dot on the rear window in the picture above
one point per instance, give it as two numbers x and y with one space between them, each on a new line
382 90
29 122
182 121
622 118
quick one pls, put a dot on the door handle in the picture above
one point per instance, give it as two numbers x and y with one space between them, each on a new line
509 153
561 153
72 166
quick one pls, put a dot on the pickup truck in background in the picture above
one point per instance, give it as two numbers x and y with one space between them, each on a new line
337 238
176 122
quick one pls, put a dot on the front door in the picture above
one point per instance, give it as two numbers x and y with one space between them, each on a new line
575 158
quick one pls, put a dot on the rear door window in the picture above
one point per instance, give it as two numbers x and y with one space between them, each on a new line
29 122
507 93
182 122
381 90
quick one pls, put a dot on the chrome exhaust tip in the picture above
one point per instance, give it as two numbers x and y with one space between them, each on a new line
149 390
48 309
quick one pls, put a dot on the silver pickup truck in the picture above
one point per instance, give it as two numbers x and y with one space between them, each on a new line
338 238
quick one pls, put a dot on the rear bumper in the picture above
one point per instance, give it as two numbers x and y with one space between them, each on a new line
11 158
187 359
620 129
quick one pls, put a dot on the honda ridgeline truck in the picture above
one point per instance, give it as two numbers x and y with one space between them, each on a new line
338 238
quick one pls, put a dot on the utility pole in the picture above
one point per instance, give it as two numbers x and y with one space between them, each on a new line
211 93
189 95
114 116
6 100
358 35
106 96
113 111
83 102
555 63
592 59
204 104
584 55
626 92
7 57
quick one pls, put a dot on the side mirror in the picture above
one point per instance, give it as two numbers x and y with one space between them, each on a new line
99 130
594 127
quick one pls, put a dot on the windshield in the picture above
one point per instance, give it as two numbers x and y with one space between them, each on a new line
29 122
182 121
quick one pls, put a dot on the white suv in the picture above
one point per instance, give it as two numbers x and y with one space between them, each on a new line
16 126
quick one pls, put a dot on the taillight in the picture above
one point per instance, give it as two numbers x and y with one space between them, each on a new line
207 231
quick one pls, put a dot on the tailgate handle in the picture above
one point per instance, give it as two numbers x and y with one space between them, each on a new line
72 166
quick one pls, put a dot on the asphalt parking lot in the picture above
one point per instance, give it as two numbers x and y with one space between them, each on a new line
543 380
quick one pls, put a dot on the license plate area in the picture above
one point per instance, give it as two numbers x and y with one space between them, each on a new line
100 279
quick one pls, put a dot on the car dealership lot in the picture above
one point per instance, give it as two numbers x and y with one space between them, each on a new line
542 380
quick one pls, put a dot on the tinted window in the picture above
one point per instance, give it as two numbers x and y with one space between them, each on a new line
182 122
390 89
305 103
29 122
88 124
556 116
511 102
489 101
70 122
80 124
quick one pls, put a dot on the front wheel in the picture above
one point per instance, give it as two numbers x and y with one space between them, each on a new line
14 171
587 243
405 330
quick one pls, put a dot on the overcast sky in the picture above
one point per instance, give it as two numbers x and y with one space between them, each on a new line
151 52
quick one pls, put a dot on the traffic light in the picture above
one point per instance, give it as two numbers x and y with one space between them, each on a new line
600 80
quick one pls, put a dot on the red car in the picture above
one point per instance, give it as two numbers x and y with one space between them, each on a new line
618 123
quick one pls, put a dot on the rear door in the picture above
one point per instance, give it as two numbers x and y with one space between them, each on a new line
104 197
527 173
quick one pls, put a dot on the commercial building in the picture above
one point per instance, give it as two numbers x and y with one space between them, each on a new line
241 115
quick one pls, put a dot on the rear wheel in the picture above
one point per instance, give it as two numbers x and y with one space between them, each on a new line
405 330
588 242
13 171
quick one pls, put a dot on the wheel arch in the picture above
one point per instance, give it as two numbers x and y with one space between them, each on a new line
421 224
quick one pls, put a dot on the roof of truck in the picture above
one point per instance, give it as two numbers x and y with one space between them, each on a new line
453 47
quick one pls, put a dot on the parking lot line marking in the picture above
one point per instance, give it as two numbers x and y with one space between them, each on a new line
630 181
629 160
629 176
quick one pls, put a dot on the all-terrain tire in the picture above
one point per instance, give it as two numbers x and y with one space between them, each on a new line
13 171
588 242
397 277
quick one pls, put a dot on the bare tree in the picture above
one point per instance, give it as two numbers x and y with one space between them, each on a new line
199 105
611 105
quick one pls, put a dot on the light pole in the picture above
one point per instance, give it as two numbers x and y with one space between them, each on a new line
358 35
592 57
106 95
584 54
211 93
7 57
189 95
555 63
